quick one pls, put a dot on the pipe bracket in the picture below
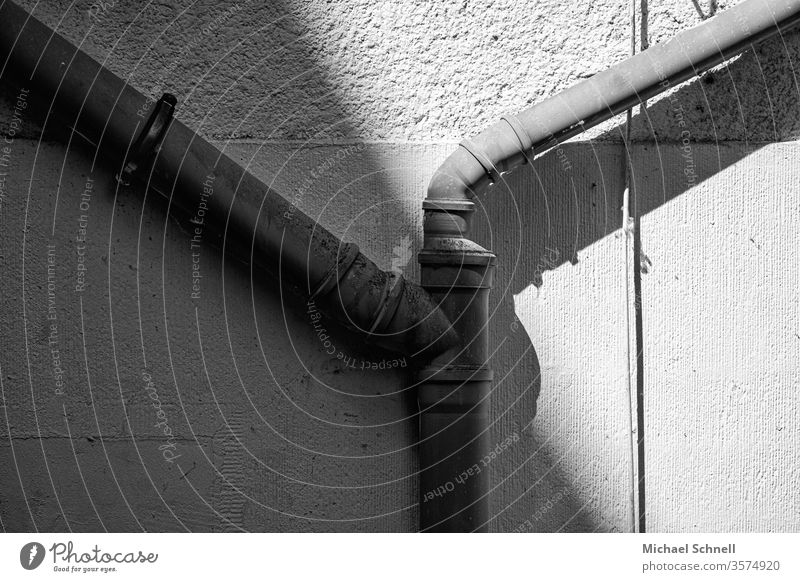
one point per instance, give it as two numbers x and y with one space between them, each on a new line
150 138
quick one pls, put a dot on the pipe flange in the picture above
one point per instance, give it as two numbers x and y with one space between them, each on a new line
390 300
525 141
485 161
337 271
448 205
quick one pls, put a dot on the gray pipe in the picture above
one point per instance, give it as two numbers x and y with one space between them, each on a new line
455 386
253 220
515 139
454 390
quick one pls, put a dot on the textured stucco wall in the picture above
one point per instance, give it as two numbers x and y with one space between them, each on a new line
371 96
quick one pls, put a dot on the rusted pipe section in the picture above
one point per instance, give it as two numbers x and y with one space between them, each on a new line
454 388
253 221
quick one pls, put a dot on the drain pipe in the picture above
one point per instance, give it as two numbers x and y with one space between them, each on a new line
449 321
139 136
513 140
454 388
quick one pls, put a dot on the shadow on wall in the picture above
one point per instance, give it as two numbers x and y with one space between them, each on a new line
543 216
276 434
268 430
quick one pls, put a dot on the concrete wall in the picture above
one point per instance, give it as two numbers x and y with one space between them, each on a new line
272 433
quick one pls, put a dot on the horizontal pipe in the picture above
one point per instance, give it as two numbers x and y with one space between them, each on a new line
513 140
254 222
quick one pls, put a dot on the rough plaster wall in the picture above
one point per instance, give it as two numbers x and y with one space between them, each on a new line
275 435
271 433
722 404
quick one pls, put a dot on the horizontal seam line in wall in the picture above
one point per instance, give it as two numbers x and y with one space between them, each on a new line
105 438
321 144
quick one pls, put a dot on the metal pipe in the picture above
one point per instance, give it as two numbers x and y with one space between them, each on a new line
457 272
454 389
254 221
453 393
515 139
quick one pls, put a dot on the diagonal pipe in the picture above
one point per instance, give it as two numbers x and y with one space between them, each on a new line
515 139
449 322
136 134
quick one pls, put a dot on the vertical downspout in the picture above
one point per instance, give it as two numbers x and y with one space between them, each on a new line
454 389
456 272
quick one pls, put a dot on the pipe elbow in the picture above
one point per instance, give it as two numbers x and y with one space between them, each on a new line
460 177
480 161
384 307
